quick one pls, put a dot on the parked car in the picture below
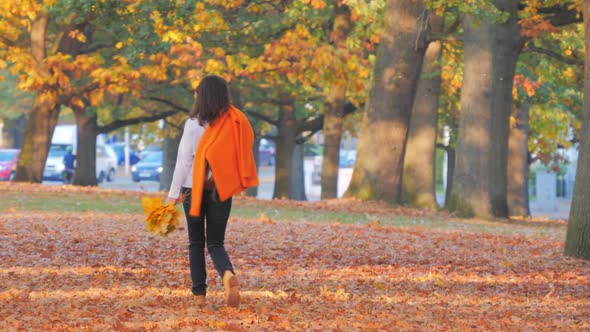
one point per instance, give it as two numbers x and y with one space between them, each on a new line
148 168
106 163
151 148
66 136
266 153
120 152
8 161
346 160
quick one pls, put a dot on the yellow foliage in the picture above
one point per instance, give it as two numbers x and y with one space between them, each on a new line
161 219
78 35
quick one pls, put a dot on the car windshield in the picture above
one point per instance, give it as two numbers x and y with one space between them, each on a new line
7 155
118 148
110 152
57 150
152 157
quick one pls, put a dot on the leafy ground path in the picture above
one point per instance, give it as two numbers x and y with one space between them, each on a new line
102 271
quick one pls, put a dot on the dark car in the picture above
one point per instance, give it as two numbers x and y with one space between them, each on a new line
148 168
120 151
266 153
8 161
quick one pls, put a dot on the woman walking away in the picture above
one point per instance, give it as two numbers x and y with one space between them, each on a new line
214 163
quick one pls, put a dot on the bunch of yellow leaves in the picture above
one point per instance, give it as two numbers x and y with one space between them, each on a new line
161 219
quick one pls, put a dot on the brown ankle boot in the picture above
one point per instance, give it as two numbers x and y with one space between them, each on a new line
200 300
232 291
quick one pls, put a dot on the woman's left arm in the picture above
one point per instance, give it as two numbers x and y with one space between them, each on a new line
184 160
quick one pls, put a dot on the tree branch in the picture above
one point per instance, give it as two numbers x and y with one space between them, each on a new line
554 55
565 17
263 117
303 139
171 104
314 124
317 123
349 108
127 122
66 98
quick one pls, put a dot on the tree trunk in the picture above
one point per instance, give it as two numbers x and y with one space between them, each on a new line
43 117
253 191
297 182
451 157
577 243
14 132
87 128
38 133
171 143
491 51
419 167
334 111
285 144
378 169
518 165
332 132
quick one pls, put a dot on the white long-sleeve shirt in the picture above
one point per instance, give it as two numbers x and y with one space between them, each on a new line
183 171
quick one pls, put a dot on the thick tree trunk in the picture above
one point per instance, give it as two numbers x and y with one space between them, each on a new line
253 191
38 133
518 165
14 132
285 144
43 117
297 182
87 127
491 51
334 111
170 151
332 132
577 243
378 169
419 167
451 158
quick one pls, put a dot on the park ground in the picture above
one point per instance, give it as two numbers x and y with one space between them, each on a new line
76 259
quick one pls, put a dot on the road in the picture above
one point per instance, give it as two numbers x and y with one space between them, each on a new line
265 175
313 191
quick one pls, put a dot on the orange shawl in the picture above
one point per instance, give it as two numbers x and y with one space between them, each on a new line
227 146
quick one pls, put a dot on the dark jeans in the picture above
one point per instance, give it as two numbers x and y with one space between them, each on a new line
214 215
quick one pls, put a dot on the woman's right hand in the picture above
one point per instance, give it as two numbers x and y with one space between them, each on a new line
171 200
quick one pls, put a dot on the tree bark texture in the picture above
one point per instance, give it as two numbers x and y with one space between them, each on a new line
332 132
297 175
39 131
253 191
491 52
518 165
419 161
87 130
170 152
14 132
379 166
577 243
285 143
43 116
451 159
334 111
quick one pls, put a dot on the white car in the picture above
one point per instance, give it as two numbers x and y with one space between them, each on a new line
106 163
65 136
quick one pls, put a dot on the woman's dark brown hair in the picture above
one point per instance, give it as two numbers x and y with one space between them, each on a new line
211 100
